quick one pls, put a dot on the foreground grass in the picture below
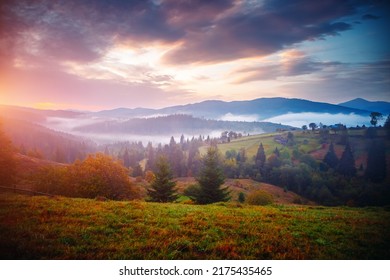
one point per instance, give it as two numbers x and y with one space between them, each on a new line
65 228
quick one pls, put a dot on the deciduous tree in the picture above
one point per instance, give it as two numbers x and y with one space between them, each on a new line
375 117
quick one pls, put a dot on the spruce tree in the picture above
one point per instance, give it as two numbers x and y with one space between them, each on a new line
260 157
347 162
163 187
330 158
126 159
210 179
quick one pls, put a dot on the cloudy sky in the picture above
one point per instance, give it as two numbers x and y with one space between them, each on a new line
99 54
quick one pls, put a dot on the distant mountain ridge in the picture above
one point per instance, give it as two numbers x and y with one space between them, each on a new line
372 106
263 108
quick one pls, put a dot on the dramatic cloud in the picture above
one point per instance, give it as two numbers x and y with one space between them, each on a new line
153 53
262 30
206 31
291 64
81 30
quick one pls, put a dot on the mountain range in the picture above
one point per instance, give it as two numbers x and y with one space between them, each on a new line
209 117
372 106
260 109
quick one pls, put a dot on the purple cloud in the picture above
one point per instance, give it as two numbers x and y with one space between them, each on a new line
263 30
209 31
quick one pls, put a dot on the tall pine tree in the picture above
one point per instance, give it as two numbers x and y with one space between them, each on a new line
347 162
260 157
330 158
210 179
163 187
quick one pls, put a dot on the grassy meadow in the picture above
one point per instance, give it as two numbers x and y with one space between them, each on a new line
41 227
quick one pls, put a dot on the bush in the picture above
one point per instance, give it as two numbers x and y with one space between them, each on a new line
259 198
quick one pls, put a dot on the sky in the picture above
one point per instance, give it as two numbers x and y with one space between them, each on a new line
95 55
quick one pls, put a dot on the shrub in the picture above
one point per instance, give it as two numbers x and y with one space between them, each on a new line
241 197
259 198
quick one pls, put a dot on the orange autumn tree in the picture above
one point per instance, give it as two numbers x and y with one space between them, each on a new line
97 175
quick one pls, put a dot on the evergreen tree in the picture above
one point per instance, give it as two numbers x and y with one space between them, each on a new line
210 179
193 161
260 157
126 158
163 187
182 141
376 162
330 158
347 162
150 155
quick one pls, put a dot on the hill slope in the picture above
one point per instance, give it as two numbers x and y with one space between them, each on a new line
65 228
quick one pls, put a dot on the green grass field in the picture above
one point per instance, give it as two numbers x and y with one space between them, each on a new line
64 228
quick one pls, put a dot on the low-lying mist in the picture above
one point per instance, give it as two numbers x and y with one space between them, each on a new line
69 125
300 119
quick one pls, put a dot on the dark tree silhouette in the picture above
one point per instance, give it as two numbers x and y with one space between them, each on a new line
347 162
313 126
163 187
260 157
375 117
210 179
330 158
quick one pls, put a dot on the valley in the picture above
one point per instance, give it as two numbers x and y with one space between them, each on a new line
277 184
